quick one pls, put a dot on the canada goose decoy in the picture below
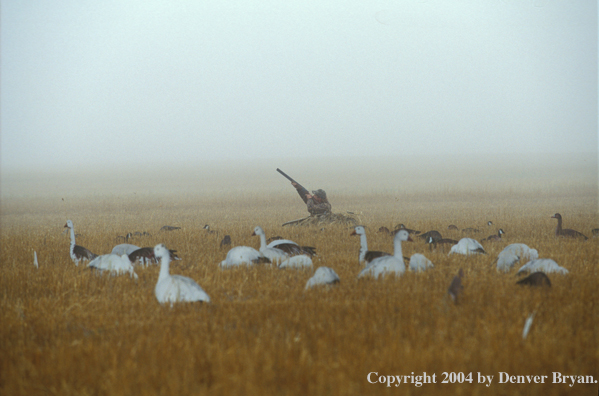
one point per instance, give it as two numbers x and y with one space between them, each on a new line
496 237
567 233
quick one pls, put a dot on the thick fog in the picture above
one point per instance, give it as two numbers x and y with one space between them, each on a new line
110 84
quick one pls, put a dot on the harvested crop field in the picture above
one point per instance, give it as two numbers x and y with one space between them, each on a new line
65 330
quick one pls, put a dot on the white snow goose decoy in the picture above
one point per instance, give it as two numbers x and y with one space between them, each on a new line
365 254
544 265
388 264
567 233
114 264
243 255
77 252
301 261
286 253
467 246
420 263
511 254
175 288
124 248
273 254
323 276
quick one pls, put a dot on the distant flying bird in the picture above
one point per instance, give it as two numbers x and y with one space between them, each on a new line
77 252
175 288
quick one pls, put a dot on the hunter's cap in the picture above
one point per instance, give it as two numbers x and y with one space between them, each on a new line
320 193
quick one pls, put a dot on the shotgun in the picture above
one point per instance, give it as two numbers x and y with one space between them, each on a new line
290 179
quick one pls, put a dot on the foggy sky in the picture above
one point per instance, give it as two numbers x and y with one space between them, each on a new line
87 83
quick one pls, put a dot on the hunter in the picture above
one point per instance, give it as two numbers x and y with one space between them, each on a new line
317 202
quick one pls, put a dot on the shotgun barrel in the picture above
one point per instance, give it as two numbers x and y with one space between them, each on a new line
289 178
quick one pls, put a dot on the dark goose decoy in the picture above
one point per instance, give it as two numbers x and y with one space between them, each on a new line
436 235
535 279
169 228
496 237
208 230
444 241
146 256
226 241
77 252
452 227
470 229
567 233
455 288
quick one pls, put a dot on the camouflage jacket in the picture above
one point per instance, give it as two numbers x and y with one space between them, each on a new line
313 207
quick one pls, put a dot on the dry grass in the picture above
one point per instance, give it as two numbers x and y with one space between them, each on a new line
66 331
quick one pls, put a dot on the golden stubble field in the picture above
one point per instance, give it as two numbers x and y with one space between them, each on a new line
65 330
